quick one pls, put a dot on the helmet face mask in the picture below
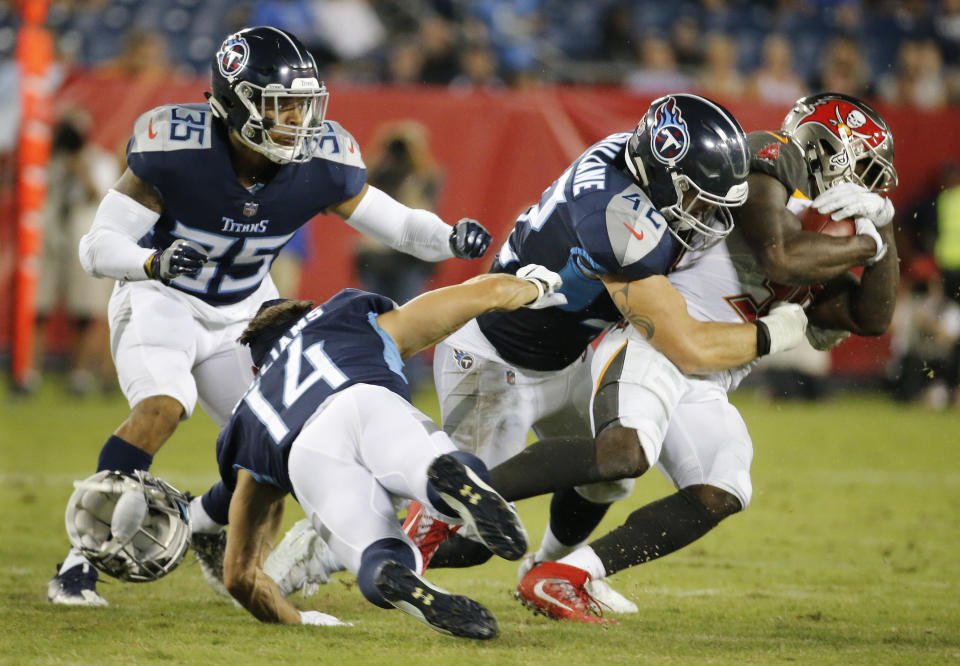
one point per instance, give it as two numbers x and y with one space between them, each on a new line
844 140
691 157
160 542
267 90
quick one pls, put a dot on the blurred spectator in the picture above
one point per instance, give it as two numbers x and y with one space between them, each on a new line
843 69
79 175
441 61
719 77
926 331
616 39
687 44
144 56
947 246
290 15
918 79
775 81
404 65
401 165
658 71
349 28
479 65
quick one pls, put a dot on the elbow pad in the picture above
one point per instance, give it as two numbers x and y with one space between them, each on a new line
411 230
109 249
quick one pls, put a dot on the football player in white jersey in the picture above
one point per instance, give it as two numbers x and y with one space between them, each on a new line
611 225
647 411
211 194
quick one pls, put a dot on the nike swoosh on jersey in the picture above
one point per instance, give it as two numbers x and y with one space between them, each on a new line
150 132
538 590
777 137
638 236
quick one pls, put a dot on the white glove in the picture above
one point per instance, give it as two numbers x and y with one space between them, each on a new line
318 619
867 228
785 324
825 339
547 283
847 200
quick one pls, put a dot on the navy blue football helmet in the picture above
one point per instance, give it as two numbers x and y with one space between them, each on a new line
689 144
267 89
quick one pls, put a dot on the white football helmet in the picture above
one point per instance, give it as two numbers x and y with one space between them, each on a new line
157 546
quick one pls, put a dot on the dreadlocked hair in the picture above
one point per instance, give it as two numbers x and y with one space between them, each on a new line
273 319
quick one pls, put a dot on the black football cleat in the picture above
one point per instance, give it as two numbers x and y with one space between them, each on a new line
479 506
452 614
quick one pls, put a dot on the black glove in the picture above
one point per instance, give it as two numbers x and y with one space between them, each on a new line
183 257
469 240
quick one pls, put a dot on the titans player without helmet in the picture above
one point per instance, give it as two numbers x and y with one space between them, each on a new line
211 194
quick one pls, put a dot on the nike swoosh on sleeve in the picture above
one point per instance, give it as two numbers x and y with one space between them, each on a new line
638 236
777 137
150 132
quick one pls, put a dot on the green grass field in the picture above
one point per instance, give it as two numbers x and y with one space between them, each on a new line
848 555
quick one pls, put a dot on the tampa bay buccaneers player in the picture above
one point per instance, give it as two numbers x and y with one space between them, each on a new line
833 152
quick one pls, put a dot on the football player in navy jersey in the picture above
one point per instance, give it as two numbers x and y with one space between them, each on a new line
211 194
834 153
611 225
329 419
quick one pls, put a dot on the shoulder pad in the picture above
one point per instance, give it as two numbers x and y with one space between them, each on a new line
634 227
338 145
172 127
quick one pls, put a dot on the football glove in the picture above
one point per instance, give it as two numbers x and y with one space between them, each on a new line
469 240
547 283
825 339
785 326
182 257
847 200
867 228
318 619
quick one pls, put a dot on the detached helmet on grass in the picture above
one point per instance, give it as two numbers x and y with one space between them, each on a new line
688 143
153 550
257 74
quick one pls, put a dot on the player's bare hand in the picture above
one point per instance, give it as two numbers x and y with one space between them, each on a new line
547 283
182 257
847 200
469 240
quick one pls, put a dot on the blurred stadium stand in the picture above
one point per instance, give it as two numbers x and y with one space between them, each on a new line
561 66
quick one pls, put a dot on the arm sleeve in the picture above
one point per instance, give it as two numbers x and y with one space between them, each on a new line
109 249
414 231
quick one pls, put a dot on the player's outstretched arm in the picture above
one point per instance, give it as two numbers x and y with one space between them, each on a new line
127 212
430 317
787 253
415 231
659 312
256 511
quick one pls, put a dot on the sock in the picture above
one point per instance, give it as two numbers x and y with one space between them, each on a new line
200 520
72 559
216 504
546 466
120 455
467 460
371 558
573 518
551 549
654 530
585 558
458 551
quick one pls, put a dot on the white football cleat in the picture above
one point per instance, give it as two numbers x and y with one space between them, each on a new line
301 561
77 586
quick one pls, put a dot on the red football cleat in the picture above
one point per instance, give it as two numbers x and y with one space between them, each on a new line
426 531
557 590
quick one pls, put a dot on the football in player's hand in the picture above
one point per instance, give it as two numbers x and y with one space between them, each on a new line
813 220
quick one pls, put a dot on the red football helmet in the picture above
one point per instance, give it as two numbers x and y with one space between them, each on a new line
843 139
